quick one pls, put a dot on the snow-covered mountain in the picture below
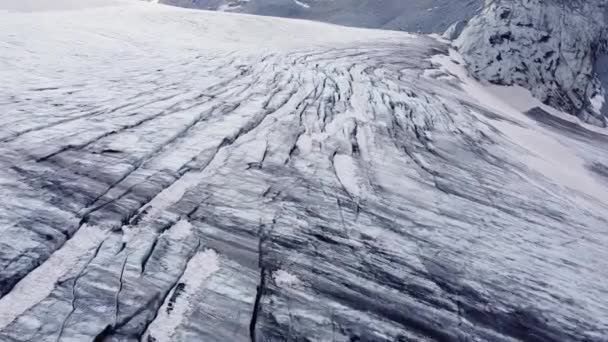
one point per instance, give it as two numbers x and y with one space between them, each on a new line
169 174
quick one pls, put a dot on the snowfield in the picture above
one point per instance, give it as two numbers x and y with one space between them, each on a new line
177 175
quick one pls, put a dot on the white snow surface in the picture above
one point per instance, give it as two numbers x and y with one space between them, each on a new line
55 5
200 267
172 32
548 155
284 278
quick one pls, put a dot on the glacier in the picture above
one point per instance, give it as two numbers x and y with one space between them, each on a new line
170 174
554 48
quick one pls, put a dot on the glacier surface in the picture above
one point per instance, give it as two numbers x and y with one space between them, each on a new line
177 175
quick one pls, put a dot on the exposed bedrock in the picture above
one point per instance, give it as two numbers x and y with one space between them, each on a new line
547 46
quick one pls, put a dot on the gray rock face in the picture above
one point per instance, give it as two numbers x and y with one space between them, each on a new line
549 47
159 187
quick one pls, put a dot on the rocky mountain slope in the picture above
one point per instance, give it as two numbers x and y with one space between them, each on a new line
411 16
551 47
178 175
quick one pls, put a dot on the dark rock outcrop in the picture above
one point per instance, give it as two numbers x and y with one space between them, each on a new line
547 46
